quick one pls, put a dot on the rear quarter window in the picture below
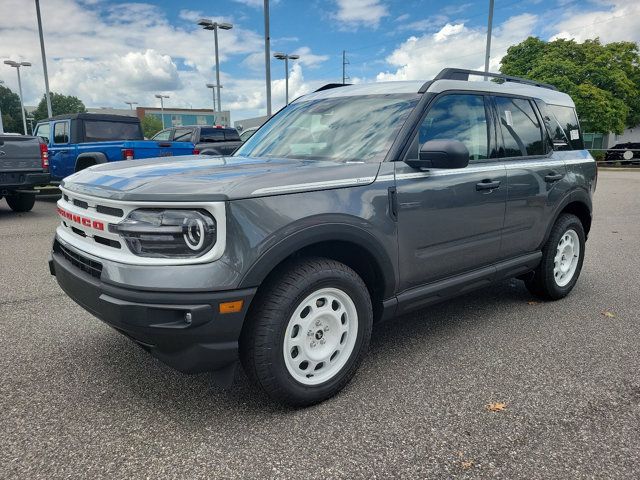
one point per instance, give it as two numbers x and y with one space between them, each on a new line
100 131
565 118
43 130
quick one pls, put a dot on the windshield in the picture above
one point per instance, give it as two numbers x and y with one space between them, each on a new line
358 128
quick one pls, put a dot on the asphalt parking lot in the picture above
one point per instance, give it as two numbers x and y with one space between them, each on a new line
80 400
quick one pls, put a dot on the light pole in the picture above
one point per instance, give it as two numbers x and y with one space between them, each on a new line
267 56
44 61
211 25
1 126
286 57
162 97
131 104
17 66
212 86
488 49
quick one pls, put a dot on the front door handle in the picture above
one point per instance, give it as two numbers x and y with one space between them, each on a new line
553 177
488 184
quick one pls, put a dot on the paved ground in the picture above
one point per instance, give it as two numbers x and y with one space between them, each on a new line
79 400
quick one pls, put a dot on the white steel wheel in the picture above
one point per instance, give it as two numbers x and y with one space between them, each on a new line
320 336
567 257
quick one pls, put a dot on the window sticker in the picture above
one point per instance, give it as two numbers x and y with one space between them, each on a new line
575 134
509 118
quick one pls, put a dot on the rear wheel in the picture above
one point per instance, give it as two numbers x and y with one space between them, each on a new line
21 202
562 258
307 332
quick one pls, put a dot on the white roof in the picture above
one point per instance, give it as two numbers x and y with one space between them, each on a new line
550 96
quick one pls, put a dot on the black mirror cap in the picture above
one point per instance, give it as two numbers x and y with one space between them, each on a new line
442 154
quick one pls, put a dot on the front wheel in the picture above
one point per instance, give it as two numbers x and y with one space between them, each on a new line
562 258
21 202
308 332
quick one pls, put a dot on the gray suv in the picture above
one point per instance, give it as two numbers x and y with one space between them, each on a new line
352 205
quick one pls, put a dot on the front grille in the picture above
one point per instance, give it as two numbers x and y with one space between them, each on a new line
80 203
116 212
83 263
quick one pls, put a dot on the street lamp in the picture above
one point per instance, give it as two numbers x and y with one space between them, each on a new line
286 57
267 56
162 97
131 104
211 25
17 66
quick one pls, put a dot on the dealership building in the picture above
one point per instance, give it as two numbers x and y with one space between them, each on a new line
173 117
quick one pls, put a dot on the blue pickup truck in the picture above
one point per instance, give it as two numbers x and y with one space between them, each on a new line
80 140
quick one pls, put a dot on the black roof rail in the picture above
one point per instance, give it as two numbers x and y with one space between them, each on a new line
463 74
331 85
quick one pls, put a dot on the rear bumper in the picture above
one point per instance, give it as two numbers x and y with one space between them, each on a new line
23 181
158 320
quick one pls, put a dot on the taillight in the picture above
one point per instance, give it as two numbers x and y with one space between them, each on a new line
44 156
196 151
127 153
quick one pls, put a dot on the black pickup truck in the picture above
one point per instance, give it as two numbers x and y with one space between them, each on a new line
206 140
24 165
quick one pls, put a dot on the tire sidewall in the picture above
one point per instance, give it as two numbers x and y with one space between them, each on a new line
325 279
568 222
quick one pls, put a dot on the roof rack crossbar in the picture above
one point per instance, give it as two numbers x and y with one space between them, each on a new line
463 74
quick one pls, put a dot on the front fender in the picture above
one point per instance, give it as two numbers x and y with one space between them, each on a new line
317 234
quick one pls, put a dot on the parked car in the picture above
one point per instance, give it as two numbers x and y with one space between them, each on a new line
355 204
24 165
626 153
81 140
247 133
205 140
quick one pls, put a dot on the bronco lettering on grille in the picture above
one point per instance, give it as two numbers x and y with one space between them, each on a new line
79 219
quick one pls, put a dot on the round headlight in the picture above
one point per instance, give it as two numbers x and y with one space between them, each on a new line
194 235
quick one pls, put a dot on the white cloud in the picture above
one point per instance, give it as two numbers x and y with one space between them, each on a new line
355 13
617 21
454 45
308 58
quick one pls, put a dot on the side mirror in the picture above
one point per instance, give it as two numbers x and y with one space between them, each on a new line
441 154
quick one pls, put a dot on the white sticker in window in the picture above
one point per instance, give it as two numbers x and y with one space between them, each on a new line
507 115
574 134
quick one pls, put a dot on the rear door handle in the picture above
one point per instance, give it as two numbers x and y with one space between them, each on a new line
553 177
488 184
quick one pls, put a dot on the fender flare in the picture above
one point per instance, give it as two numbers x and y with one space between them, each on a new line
317 234
99 158
577 195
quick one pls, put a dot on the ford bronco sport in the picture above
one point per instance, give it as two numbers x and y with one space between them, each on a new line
352 205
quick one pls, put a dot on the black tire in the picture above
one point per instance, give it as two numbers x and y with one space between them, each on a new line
21 202
543 282
261 342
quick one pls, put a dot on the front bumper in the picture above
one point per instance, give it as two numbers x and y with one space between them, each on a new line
157 320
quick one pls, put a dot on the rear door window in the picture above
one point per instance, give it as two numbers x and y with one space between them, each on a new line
61 132
182 135
162 136
102 131
521 130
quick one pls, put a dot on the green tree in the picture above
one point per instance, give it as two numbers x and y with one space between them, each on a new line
10 107
151 125
603 80
60 104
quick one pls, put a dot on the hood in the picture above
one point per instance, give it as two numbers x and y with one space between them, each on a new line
205 178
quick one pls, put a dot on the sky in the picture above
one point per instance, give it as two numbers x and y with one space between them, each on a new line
107 52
